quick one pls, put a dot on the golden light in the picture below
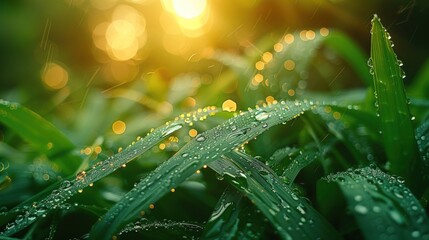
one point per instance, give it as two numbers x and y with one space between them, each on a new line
258 78
267 57
229 106
324 32
289 65
291 92
54 76
124 36
310 35
193 132
189 8
278 47
289 38
119 127
259 65
190 15
269 99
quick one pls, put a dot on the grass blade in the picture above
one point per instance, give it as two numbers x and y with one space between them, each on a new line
204 149
381 204
234 217
68 188
41 134
395 118
351 52
291 216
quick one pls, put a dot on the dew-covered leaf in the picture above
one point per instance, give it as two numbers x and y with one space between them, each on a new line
382 205
41 134
205 148
292 216
34 209
392 106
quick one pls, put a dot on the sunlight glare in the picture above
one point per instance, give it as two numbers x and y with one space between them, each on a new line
189 8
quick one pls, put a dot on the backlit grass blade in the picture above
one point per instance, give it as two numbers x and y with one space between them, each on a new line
392 106
351 52
382 205
41 134
70 187
204 148
291 216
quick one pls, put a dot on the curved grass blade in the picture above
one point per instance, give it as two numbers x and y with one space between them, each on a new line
395 118
305 158
41 134
351 52
382 205
234 218
224 221
291 216
68 188
205 148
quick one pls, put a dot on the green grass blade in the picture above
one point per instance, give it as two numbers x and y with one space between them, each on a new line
351 52
422 137
382 205
304 158
395 118
234 217
41 134
68 188
205 148
291 216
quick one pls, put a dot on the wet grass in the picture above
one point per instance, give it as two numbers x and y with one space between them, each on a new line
300 164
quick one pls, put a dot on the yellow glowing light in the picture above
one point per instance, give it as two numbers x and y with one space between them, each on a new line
119 127
324 32
55 76
258 78
269 99
291 92
336 115
172 190
162 146
310 35
198 172
151 206
255 82
97 149
193 132
278 47
229 106
87 151
289 38
189 8
303 35
289 65
259 65
124 36
267 57
328 109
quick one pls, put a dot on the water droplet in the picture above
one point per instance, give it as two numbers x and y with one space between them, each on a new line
200 138
261 116
358 198
415 234
171 128
361 209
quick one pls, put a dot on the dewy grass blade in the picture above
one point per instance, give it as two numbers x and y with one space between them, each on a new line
382 205
224 221
395 118
83 179
41 134
291 215
204 148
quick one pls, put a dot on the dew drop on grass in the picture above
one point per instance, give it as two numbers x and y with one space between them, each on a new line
361 209
261 116
171 128
200 138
